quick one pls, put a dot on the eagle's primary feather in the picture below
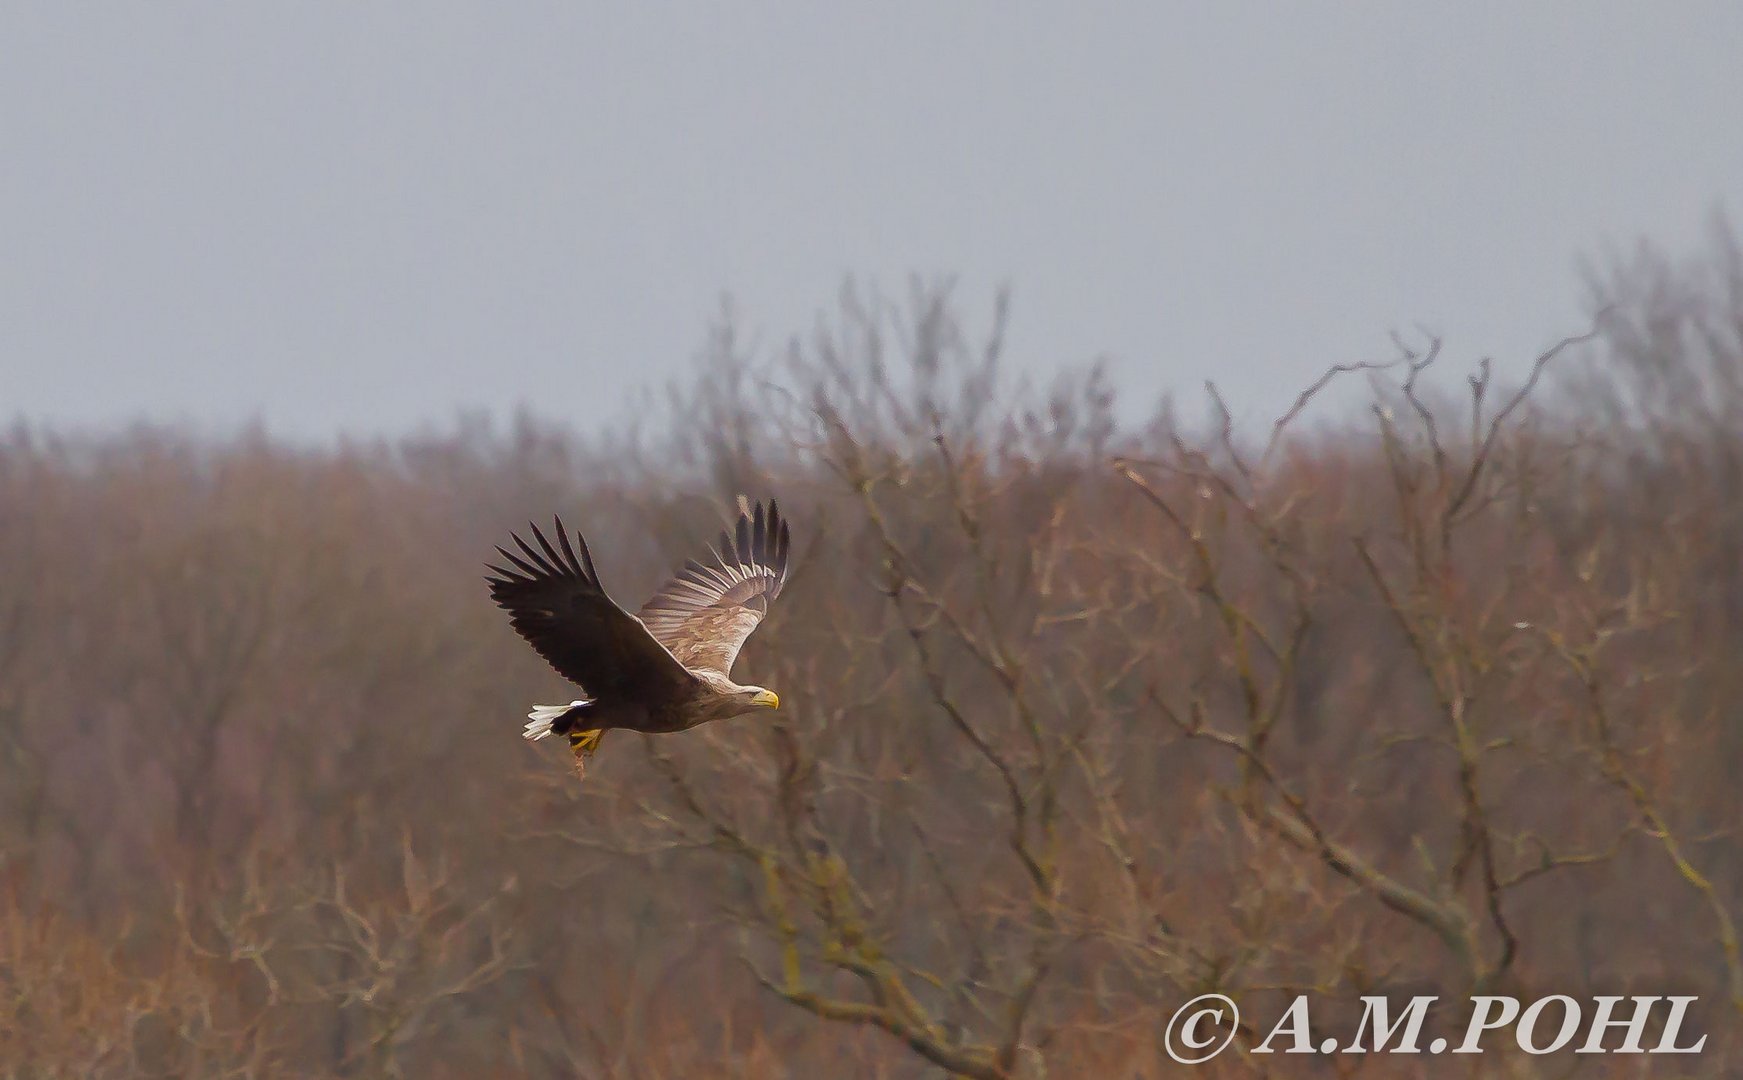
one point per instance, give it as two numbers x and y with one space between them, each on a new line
705 613
666 669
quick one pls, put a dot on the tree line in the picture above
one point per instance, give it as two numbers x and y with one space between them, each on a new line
1429 687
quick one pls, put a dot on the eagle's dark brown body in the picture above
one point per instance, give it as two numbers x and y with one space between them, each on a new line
657 717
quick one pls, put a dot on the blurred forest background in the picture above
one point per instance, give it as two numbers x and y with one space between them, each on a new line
1080 719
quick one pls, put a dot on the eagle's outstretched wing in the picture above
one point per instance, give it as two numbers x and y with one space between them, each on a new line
556 602
704 614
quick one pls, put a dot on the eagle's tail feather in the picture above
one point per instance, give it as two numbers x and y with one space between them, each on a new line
543 717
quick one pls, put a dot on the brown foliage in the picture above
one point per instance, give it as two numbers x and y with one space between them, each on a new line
1076 723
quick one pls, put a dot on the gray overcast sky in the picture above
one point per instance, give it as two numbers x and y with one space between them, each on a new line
367 216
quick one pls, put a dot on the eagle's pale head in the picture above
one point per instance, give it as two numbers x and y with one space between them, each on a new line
757 697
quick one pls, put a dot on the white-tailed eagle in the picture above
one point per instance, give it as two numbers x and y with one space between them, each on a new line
666 668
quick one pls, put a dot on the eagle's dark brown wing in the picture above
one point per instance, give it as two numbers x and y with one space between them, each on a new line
704 614
556 602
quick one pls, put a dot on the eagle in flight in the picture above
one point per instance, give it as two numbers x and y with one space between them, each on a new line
666 668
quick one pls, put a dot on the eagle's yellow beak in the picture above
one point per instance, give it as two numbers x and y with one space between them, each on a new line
767 697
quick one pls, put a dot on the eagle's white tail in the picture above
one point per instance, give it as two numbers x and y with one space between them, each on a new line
542 717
